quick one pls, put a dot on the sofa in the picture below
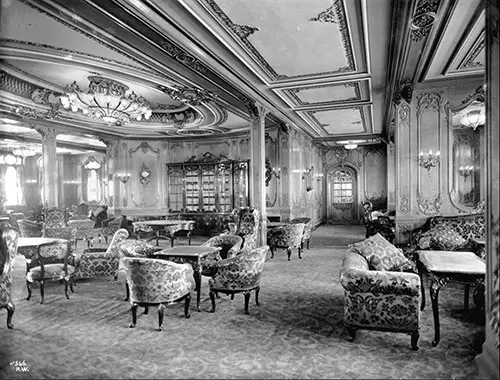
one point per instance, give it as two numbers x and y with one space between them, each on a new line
381 292
452 233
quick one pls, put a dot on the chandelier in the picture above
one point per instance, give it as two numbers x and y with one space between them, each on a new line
350 145
106 99
24 151
473 119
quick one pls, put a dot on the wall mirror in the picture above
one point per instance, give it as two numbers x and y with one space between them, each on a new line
466 136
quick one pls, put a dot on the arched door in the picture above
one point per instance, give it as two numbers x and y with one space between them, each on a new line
342 196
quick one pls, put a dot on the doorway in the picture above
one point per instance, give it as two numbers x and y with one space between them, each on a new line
342 196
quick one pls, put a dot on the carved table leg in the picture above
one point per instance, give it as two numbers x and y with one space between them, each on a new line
247 299
133 309
421 275
436 284
161 308
10 312
187 301
197 280
257 290
414 340
212 299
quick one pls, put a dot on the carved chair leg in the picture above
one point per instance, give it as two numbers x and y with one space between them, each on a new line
466 297
71 281
161 308
10 312
127 290
308 244
414 340
300 253
29 290
146 310
272 252
257 290
212 299
66 286
289 253
42 284
133 309
187 301
232 296
352 332
247 299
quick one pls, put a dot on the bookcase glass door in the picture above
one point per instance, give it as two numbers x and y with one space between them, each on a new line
225 194
192 181
240 178
176 188
208 187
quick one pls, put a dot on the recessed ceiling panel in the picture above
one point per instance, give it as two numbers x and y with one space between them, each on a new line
340 121
291 38
333 93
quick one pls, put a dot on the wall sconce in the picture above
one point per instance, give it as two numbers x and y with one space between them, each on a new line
430 161
271 171
465 171
123 177
307 177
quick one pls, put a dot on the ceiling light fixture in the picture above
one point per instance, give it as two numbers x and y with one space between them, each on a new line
473 119
24 151
350 145
106 99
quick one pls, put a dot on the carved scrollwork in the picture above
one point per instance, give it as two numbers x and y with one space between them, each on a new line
145 147
145 175
429 206
404 204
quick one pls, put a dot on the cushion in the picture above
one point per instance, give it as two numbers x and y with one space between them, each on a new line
445 238
380 254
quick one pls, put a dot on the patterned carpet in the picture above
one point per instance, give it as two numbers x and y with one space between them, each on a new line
297 331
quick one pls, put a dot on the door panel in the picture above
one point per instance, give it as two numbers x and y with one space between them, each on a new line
342 196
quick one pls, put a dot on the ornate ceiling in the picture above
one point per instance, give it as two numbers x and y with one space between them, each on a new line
327 67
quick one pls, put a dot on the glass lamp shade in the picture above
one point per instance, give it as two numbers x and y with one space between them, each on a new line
473 119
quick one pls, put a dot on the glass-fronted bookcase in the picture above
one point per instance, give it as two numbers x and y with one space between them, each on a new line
207 185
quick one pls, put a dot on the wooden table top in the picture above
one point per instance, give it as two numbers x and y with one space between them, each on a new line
452 262
188 250
163 222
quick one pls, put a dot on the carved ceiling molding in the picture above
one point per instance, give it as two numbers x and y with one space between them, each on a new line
54 112
243 32
145 147
177 119
404 91
469 61
328 15
182 56
294 91
191 95
423 19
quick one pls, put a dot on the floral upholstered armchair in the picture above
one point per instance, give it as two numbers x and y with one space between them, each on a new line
230 246
306 235
8 249
287 237
246 225
387 300
155 282
30 228
135 248
96 262
239 274
84 230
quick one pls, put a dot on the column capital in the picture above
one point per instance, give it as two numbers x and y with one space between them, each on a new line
46 132
255 109
404 91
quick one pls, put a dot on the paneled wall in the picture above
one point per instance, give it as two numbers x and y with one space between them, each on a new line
422 126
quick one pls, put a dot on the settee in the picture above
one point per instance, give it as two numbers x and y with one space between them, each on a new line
452 233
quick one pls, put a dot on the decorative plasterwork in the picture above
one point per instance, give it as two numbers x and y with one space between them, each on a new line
361 120
178 119
403 115
428 100
470 60
145 147
404 204
191 95
423 19
182 56
293 93
336 11
429 206
328 15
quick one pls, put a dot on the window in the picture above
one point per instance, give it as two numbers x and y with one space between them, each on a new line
13 192
342 187
93 190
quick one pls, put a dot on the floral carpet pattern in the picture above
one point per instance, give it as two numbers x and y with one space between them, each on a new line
297 332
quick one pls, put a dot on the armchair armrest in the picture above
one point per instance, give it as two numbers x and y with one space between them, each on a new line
385 282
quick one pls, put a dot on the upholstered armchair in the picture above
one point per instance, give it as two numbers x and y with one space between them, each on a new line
84 230
81 211
111 225
287 237
155 282
246 225
96 262
230 246
306 235
66 233
55 217
379 300
138 249
30 228
8 249
239 274
53 262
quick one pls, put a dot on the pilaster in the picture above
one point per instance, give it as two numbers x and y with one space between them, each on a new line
50 172
258 166
285 158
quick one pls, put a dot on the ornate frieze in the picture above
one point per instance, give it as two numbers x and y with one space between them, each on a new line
428 100
470 59
145 147
178 119
191 95
182 56
328 15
